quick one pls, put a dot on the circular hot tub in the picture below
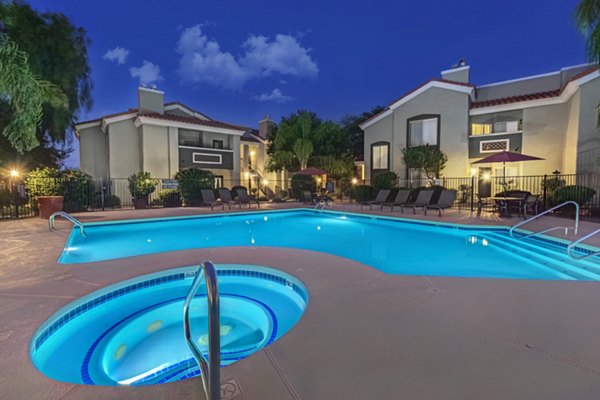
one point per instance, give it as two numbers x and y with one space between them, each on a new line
131 333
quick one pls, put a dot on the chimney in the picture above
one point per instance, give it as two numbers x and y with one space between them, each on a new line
151 100
459 72
264 127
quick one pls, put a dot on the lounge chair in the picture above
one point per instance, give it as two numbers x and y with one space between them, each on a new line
307 198
423 200
244 198
400 200
381 198
226 198
208 198
446 200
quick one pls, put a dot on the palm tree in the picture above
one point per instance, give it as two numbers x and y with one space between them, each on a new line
26 94
303 147
587 15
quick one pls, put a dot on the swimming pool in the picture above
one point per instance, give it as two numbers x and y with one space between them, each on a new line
131 333
391 245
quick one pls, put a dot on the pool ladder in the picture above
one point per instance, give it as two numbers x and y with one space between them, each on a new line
322 204
575 228
210 370
68 217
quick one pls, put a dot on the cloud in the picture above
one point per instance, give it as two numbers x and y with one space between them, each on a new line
203 61
147 73
118 54
276 95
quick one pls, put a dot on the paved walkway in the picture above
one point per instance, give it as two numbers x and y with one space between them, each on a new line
364 335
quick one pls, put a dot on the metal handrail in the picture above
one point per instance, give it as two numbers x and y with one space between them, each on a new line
576 242
68 217
211 369
566 228
322 204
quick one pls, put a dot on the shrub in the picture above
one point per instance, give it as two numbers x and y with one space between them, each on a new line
110 201
191 182
385 180
302 183
363 193
44 182
77 189
141 185
551 184
169 198
11 199
579 194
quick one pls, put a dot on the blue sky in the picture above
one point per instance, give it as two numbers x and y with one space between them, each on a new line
239 60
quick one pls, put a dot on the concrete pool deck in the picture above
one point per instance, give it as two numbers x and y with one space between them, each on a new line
364 335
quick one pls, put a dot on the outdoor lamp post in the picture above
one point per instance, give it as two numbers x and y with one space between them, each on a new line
473 173
14 174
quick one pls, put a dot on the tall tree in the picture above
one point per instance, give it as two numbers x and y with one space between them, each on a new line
350 125
587 15
57 52
25 94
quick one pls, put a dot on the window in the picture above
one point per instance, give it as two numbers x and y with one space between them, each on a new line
481 129
206 158
492 146
218 181
423 131
380 156
217 144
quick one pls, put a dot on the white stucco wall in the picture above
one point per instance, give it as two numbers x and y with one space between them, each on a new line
588 145
155 151
93 152
451 106
544 130
124 144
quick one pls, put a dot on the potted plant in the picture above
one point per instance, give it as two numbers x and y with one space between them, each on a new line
46 186
141 185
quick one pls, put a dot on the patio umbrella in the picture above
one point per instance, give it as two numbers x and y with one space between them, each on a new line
312 171
504 157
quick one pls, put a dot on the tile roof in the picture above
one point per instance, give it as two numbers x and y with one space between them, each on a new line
193 120
251 135
517 99
428 82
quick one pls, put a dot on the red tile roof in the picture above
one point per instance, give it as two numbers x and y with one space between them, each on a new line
517 99
193 120
251 135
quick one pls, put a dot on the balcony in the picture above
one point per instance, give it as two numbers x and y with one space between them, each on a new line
205 157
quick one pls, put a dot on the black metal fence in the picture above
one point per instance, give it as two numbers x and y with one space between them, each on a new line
552 189
18 201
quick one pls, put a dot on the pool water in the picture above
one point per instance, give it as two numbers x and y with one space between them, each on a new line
391 245
131 333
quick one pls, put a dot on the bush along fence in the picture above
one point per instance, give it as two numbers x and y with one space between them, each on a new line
79 192
551 189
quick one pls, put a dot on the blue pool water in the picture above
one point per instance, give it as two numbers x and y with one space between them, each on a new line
131 333
390 245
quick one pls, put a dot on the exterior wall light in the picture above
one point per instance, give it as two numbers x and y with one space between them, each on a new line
354 181
14 173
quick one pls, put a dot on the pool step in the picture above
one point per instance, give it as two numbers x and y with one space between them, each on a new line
547 255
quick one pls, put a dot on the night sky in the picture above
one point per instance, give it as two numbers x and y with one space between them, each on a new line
239 60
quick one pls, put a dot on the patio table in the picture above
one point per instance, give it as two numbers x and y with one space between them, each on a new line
504 204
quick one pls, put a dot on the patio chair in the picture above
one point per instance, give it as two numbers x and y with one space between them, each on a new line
531 204
226 198
401 199
381 198
208 198
307 198
423 200
245 198
446 200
